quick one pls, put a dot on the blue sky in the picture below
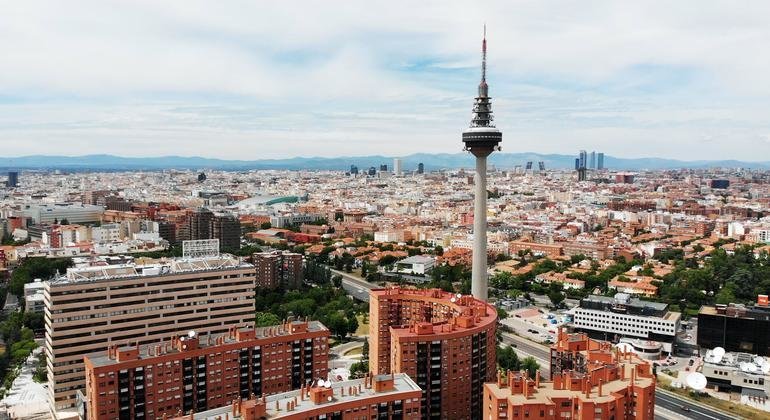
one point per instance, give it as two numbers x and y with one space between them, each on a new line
251 80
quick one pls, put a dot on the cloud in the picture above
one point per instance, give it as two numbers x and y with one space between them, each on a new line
322 78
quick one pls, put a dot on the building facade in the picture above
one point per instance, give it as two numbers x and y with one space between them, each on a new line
193 373
610 318
276 269
391 397
446 343
96 304
736 328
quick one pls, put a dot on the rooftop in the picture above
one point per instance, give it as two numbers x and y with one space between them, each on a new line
102 269
625 300
106 358
356 390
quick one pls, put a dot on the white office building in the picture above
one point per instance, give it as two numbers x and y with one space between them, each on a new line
622 316
73 213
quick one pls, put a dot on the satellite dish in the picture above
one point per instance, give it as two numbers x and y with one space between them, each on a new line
759 360
184 346
181 338
329 398
765 367
453 300
719 352
328 384
459 295
191 334
697 381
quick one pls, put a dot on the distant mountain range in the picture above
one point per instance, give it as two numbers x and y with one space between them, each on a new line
408 163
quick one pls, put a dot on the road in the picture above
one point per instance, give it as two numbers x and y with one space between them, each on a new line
670 403
355 286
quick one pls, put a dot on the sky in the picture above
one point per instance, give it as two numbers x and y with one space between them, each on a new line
256 79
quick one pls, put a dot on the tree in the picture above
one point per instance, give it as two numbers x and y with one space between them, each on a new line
531 366
337 281
64 222
555 294
359 369
438 250
352 325
365 350
265 225
387 260
507 359
266 319
364 267
338 325
726 295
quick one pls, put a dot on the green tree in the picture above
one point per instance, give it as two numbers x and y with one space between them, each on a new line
266 319
531 366
507 359
338 325
359 369
352 325
265 225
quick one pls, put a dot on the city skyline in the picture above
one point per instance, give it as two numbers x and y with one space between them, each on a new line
149 80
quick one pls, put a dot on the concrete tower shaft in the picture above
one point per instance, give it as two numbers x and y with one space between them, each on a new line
481 138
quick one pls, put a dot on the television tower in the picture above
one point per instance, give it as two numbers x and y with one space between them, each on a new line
481 138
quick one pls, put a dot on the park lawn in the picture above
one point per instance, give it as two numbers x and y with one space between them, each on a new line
363 328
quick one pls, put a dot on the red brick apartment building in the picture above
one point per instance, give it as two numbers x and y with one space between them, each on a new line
278 269
444 342
196 373
382 397
590 380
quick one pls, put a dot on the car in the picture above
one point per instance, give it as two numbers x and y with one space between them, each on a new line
684 408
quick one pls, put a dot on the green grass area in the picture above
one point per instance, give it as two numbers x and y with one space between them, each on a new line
355 351
733 407
363 327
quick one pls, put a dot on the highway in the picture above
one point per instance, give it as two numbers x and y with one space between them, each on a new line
355 287
670 403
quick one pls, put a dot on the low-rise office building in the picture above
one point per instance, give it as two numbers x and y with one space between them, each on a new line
736 328
610 318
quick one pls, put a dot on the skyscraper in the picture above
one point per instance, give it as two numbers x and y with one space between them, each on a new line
420 168
481 139
396 166
13 179
583 159
600 161
353 170
592 161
